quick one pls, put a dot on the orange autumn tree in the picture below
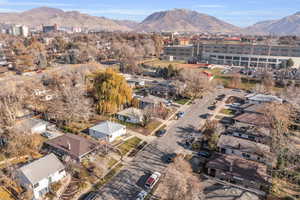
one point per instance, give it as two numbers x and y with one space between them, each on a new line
111 91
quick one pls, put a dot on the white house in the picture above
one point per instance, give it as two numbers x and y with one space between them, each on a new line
38 175
262 98
107 130
131 115
31 126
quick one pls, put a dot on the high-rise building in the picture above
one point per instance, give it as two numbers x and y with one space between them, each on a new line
19 30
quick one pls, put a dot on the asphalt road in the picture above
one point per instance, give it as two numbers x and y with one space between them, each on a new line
127 184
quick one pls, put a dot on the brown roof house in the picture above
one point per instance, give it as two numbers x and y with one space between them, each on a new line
253 133
245 149
252 119
73 146
239 171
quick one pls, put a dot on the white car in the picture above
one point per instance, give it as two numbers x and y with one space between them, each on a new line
152 180
142 195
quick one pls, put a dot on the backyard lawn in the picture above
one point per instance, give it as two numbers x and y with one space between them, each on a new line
129 145
228 112
182 101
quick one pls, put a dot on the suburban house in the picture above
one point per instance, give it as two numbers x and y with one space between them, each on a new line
135 82
71 146
131 115
255 134
240 171
254 119
151 101
40 174
253 108
163 90
107 130
244 148
262 98
31 126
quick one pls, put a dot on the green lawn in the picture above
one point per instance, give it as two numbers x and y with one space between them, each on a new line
219 117
245 83
163 63
151 127
228 112
111 163
182 101
129 145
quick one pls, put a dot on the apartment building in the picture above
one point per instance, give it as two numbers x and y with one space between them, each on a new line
236 54
179 52
16 30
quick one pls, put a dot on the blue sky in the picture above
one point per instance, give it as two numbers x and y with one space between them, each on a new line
237 12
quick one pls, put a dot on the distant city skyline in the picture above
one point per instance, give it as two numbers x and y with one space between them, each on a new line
243 13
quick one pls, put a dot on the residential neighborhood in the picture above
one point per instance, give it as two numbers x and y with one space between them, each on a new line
177 106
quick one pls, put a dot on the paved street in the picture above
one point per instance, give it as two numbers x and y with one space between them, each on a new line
131 179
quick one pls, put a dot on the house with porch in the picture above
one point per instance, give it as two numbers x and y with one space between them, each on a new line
239 171
70 146
40 174
107 131
131 115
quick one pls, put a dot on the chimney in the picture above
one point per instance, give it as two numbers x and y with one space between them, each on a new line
69 146
231 166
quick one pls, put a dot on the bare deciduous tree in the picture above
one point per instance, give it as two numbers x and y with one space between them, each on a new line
179 182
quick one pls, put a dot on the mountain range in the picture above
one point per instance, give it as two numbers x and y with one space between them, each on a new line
289 25
180 20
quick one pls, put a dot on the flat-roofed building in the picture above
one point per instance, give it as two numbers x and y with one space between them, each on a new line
249 54
179 52
235 54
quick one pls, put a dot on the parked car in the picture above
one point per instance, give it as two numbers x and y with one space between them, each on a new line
235 105
91 196
205 154
169 158
160 132
211 107
237 90
142 195
152 180
169 103
180 114
222 95
206 116
47 135
219 99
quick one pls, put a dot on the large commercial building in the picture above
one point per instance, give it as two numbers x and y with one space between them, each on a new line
249 55
17 30
179 52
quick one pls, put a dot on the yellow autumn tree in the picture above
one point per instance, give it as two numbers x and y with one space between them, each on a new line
111 91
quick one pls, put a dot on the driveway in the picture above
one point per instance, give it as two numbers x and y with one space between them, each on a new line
127 184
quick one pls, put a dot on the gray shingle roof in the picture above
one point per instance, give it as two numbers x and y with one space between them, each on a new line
41 168
131 112
243 145
264 98
107 127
